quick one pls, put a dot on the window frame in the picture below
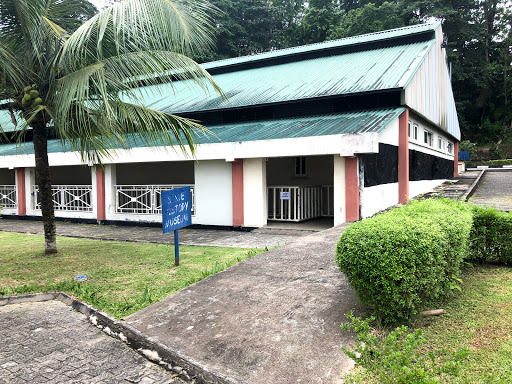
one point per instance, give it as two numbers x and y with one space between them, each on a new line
301 166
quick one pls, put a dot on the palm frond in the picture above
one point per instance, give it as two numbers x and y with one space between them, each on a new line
128 125
11 70
180 26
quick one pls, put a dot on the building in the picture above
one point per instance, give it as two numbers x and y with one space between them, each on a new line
343 128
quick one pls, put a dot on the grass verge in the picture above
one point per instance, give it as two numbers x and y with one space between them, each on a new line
122 277
478 319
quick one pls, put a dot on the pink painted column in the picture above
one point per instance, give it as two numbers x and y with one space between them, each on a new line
403 157
456 159
100 193
351 189
20 182
238 192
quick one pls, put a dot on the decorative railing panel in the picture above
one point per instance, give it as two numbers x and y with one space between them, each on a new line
75 198
145 199
299 203
8 196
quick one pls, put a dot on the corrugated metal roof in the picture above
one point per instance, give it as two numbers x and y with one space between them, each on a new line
345 123
355 72
354 40
6 121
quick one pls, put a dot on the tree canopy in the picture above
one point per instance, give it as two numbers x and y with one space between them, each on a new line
70 72
478 34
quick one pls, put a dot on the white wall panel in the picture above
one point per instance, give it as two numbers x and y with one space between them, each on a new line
213 191
377 198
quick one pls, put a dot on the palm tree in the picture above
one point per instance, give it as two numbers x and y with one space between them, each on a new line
70 72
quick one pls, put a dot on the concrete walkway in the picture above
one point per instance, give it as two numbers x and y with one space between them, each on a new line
274 318
494 190
47 342
258 238
456 188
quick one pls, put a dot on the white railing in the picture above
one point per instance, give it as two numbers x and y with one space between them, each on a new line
75 198
145 199
298 203
328 200
8 196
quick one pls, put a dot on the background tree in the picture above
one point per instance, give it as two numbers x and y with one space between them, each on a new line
74 74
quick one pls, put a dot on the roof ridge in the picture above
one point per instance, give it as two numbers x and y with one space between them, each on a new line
321 45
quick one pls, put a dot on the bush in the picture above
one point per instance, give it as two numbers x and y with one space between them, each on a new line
491 236
499 163
404 258
397 357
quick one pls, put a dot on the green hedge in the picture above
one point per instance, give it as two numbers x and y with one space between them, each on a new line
491 236
492 163
399 260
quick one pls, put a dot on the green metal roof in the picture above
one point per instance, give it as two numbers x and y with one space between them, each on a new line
326 45
345 123
356 72
6 121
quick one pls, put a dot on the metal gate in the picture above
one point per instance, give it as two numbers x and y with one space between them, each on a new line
299 203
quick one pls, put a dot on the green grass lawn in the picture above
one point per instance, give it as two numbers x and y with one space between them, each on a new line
478 319
122 277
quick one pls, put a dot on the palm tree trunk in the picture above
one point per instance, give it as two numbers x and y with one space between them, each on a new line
44 183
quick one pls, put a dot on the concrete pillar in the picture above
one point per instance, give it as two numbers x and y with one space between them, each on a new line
30 182
21 192
403 157
110 178
339 190
213 192
255 192
100 194
456 159
237 181
351 189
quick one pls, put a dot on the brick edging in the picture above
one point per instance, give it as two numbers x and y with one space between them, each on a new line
185 367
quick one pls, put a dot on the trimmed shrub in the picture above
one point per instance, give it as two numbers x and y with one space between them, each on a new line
400 260
499 163
491 236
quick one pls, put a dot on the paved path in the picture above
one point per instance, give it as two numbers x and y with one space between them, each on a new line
274 318
494 189
46 342
259 238
455 188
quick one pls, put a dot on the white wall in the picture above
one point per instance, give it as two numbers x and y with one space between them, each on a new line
418 187
378 198
390 134
340 215
213 190
255 192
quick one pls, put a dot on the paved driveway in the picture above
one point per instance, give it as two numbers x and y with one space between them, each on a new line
46 342
495 190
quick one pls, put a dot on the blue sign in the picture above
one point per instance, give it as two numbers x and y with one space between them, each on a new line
176 209
464 155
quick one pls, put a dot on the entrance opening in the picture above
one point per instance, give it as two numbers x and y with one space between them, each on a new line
300 189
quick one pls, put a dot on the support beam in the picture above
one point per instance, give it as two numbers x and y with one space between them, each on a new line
339 190
403 157
238 192
21 191
255 192
456 159
351 189
100 193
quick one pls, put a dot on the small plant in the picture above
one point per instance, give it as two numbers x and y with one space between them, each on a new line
396 358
